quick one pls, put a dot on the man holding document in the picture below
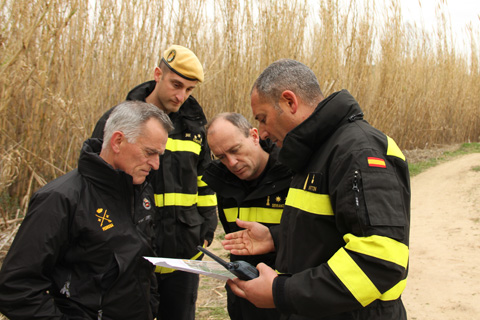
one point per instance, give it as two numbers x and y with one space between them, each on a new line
79 251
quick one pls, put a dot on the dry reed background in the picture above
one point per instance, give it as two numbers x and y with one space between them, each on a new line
63 63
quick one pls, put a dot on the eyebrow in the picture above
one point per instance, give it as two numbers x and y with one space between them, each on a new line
238 145
176 81
150 150
229 150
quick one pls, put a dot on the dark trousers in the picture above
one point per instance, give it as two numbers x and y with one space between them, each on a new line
242 309
178 295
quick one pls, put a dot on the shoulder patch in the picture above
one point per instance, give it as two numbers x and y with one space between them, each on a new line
376 162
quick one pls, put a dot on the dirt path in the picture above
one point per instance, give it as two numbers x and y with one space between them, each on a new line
444 276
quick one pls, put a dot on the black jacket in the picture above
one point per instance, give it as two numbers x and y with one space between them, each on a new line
186 206
79 251
343 241
261 200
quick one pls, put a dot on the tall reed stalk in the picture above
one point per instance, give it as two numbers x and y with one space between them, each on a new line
64 63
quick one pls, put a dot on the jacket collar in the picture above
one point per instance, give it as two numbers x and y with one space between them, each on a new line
307 137
99 172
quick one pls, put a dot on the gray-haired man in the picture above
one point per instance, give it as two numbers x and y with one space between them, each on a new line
79 251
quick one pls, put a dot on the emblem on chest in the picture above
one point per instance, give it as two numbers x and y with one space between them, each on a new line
104 219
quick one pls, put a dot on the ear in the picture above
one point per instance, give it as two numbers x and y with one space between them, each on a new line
116 141
255 136
157 74
291 100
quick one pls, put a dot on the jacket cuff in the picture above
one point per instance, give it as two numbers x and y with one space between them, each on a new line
209 238
280 295
275 232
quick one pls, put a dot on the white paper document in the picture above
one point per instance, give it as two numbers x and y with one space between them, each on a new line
207 268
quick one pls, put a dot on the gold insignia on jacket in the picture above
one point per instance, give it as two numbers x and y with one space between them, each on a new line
197 138
276 204
104 219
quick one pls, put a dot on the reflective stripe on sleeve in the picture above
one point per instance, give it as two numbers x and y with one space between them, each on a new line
200 182
379 247
356 281
353 277
395 292
393 149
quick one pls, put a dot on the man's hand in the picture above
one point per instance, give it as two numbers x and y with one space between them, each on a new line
255 239
259 290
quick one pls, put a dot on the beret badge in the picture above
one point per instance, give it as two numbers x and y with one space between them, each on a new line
171 56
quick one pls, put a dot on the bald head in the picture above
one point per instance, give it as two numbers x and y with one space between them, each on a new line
234 141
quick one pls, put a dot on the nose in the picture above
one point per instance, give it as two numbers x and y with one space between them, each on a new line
232 161
182 95
154 161
262 132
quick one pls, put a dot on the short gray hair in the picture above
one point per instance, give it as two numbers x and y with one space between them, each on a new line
129 117
234 118
288 74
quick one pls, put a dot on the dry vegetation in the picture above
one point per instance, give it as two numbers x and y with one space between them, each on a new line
63 63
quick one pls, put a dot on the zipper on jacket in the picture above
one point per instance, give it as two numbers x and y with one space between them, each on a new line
355 117
100 314
355 188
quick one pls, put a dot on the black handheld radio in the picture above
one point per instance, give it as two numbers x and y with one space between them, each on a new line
242 269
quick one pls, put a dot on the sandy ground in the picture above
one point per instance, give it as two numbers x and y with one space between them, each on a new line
444 276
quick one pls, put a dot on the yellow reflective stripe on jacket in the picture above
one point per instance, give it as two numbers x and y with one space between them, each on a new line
175 145
200 182
163 270
175 199
186 200
356 281
379 247
263 215
393 149
207 200
308 201
395 292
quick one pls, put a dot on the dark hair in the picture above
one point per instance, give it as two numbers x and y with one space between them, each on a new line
288 74
165 68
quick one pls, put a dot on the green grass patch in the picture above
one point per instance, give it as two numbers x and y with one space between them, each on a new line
466 148
476 168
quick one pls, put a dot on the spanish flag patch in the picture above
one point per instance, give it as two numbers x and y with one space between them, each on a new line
376 162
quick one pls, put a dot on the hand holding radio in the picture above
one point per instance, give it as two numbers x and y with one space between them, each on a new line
259 290
241 269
